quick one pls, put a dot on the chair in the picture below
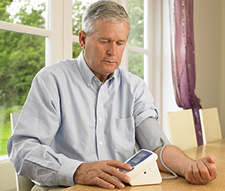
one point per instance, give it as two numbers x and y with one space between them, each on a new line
182 129
7 180
22 183
210 124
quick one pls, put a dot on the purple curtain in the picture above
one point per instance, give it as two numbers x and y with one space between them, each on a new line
183 59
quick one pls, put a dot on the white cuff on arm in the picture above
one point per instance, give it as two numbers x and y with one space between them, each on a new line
148 135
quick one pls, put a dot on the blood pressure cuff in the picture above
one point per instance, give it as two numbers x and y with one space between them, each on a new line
148 135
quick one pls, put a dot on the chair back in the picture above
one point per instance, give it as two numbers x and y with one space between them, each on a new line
210 124
14 118
22 183
182 129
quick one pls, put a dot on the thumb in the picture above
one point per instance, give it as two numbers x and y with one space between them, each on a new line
211 159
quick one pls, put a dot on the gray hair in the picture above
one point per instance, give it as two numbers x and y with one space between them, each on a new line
104 9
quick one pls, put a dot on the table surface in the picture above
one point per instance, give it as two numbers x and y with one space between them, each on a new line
216 148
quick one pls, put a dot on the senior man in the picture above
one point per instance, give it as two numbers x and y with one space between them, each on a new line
82 117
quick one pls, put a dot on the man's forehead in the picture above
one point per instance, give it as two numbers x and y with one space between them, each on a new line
103 31
100 22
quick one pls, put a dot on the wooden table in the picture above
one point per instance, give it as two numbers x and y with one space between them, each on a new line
216 148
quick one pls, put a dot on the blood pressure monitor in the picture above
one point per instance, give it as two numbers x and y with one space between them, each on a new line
145 170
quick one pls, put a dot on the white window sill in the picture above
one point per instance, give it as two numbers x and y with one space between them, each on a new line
4 158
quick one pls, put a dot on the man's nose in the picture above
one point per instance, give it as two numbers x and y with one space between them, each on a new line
112 49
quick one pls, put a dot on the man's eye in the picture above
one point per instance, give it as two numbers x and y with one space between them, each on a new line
104 41
120 43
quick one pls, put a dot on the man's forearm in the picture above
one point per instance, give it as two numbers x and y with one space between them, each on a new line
175 159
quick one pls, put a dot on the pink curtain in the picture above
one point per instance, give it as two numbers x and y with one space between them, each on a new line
183 59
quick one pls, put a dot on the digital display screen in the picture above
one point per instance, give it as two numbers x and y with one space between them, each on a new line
138 158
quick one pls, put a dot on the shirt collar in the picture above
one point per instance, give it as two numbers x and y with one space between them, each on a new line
88 75
84 69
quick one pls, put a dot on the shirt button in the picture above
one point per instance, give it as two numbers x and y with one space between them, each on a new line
100 119
101 143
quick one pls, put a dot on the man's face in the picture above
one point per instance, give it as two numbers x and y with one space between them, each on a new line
103 50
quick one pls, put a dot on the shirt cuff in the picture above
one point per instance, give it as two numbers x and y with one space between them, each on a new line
66 172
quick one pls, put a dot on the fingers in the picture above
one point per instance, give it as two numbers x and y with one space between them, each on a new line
119 164
112 169
106 181
202 171
210 164
197 175
102 173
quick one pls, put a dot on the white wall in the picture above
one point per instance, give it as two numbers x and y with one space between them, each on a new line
222 110
210 63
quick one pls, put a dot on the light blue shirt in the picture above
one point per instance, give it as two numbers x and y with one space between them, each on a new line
70 117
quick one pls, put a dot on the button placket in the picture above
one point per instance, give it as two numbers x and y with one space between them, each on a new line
100 125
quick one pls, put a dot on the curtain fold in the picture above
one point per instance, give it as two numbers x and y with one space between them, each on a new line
183 59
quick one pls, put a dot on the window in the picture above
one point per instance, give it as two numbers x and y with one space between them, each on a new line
136 14
136 38
137 54
26 12
22 55
136 63
76 50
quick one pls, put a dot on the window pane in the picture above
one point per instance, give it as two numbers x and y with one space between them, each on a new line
136 64
76 50
79 7
26 12
136 14
21 57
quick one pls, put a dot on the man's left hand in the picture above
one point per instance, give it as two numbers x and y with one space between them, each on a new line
202 171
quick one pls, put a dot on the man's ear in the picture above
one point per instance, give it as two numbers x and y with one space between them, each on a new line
82 39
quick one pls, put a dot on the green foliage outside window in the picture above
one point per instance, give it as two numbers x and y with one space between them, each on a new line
78 10
136 38
21 57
